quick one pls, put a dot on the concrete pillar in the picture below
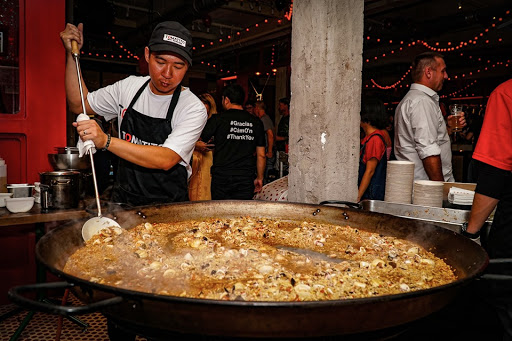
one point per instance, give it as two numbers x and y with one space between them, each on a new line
326 63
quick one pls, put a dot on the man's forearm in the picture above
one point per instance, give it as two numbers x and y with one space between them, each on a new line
480 211
153 157
270 140
433 167
260 164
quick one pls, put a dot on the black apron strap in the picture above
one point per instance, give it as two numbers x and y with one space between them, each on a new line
137 95
174 102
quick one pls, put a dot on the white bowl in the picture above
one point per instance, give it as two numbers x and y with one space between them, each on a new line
17 205
3 196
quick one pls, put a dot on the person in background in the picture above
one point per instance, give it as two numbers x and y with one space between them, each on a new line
420 131
283 126
249 107
209 103
493 159
239 153
268 126
159 120
199 187
372 158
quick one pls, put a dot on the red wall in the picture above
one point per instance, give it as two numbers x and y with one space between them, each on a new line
26 138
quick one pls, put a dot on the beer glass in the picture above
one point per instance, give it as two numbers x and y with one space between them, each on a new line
455 114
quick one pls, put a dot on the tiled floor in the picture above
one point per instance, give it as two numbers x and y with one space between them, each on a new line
43 327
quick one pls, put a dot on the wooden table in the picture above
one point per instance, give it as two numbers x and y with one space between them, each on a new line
36 215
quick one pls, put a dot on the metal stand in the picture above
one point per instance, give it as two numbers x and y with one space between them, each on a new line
40 278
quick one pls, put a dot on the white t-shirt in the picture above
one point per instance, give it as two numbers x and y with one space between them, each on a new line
187 123
420 131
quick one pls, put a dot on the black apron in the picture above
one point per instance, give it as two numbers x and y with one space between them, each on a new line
137 185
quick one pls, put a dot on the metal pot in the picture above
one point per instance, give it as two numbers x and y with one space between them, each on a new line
60 189
69 161
160 314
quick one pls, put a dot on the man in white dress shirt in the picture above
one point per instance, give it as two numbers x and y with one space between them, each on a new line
421 135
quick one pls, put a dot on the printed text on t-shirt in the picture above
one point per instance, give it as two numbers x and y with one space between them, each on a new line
238 129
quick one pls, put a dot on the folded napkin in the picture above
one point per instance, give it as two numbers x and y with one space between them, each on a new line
460 196
84 147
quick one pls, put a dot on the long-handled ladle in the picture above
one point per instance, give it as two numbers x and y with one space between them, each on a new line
96 224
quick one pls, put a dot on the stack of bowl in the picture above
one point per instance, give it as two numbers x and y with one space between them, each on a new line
399 181
20 198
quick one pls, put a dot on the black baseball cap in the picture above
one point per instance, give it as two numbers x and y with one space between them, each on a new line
171 36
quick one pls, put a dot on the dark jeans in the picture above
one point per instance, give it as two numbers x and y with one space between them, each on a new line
269 174
232 187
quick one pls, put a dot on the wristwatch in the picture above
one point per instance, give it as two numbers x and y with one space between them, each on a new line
465 233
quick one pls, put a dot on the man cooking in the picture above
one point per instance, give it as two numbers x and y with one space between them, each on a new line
159 120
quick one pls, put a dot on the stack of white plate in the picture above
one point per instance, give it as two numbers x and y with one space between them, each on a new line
399 181
428 193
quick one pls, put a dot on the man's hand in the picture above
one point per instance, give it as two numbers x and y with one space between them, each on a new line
90 130
269 154
258 185
203 147
72 32
453 121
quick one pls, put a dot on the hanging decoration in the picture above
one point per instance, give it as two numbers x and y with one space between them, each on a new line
237 34
463 75
460 90
259 95
394 85
288 14
449 47
125 54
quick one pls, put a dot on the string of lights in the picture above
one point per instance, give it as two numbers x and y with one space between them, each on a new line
436 46
272 62
214 66
392 86
127 53
471 73
460 90
228 38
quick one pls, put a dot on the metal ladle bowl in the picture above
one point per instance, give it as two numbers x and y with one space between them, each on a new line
95 225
